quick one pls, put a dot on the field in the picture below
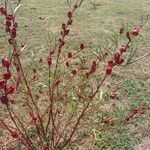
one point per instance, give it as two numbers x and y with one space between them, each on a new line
95 21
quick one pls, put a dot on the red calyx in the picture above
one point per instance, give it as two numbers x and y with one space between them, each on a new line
69 55
7 76
117 58
15 134
93 68
108 70
82 46
113 95
66 32
75 6
123 48
3 84
70 14
135 31
8 23
70 22
5 63
4 100
10 90
63 26
10 17
49 61
135 111
74 72
67 64
110 63
2 10
14 32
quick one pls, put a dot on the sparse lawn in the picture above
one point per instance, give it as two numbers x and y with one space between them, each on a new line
39 22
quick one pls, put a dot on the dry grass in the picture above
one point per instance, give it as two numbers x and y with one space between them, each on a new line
37 19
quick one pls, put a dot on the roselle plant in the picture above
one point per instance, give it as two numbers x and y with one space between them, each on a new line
51 115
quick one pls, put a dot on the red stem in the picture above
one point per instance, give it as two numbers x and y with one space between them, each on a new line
83 112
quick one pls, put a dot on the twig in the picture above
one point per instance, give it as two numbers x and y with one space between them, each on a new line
146 55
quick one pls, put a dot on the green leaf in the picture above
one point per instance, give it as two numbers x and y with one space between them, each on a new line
81 1
16 9
69 2
129 60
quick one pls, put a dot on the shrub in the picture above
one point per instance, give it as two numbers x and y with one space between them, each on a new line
48 117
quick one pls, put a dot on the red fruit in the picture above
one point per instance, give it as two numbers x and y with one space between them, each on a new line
67 64
113 95
5 62
110 63
7 76
61 32
70 14
123 48
7 29
10 17
94 64
8 23
2 84
70 22
4 100
2 10
74 72
141 112
64 26
14 32
69 55
10 90
135 111
75 6
15 25
49 61
82 46
93 68
117 58
67 32
121 61
135 31
15 134
108 70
